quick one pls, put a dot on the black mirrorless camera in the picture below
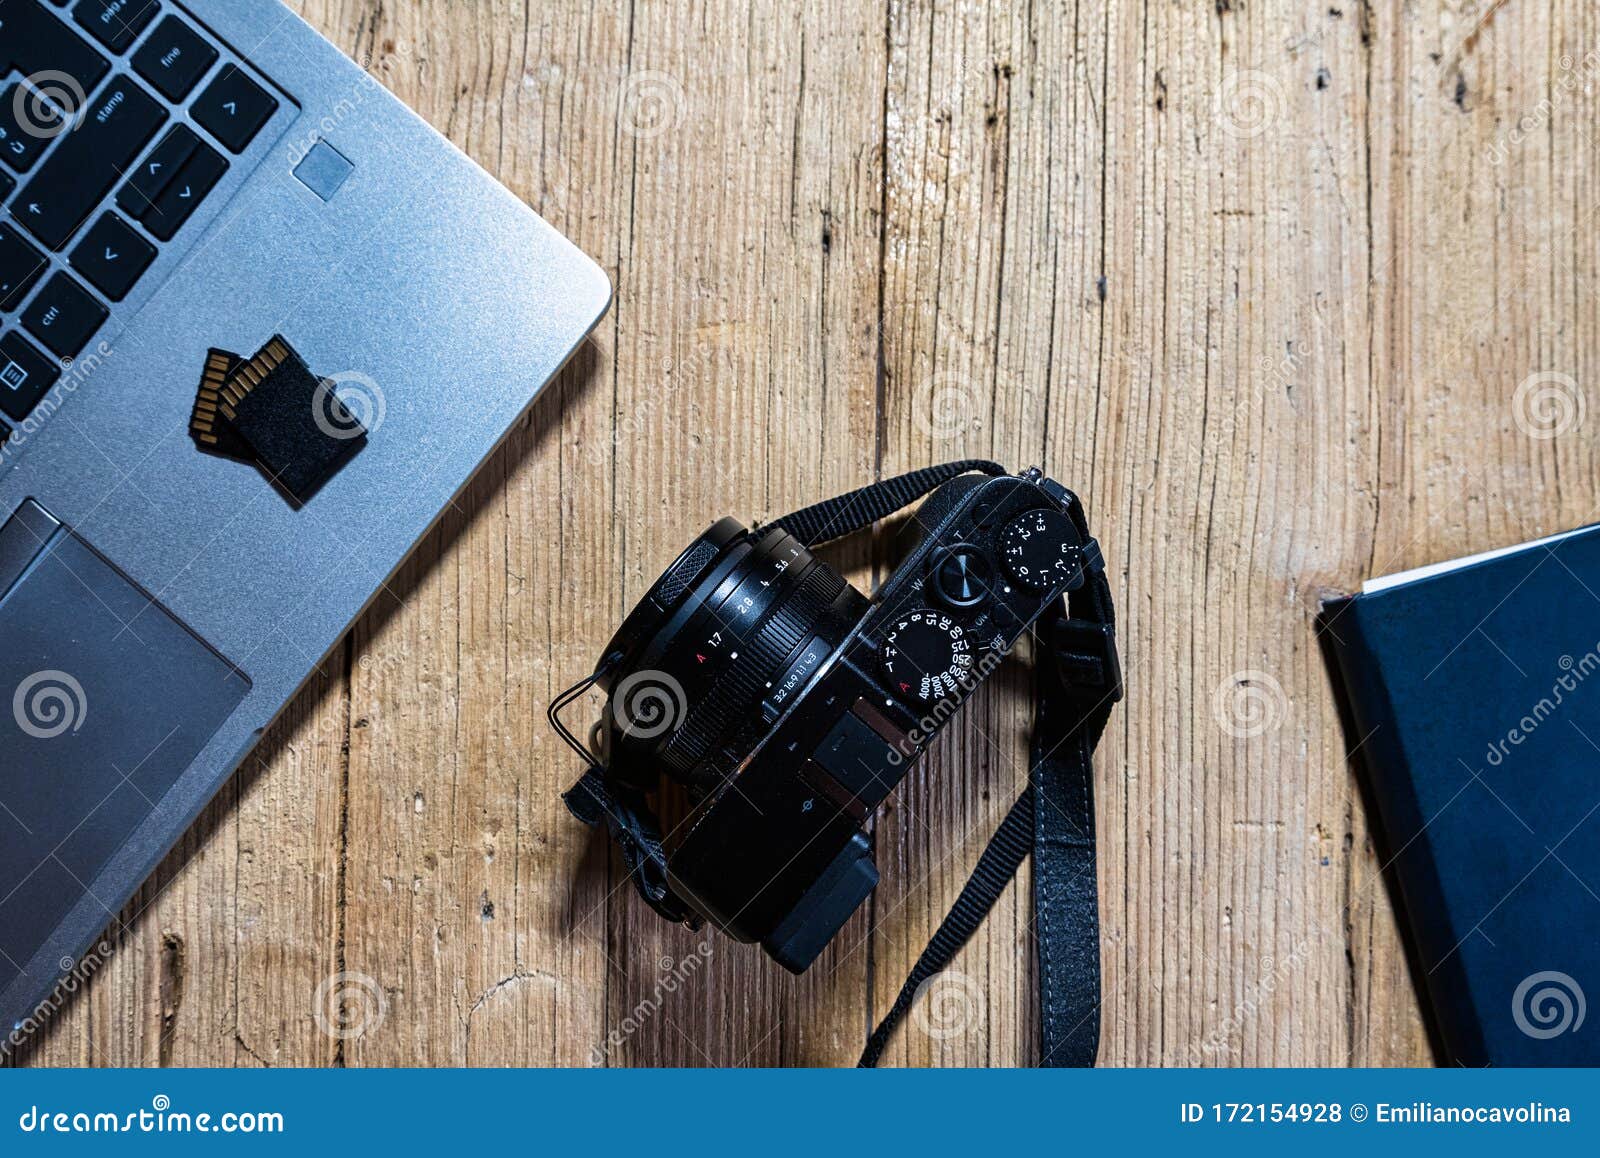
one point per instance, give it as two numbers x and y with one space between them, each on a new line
790 705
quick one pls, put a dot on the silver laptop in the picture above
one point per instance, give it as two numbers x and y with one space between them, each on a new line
177 177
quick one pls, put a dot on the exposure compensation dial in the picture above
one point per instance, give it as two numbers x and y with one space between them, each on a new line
1040 549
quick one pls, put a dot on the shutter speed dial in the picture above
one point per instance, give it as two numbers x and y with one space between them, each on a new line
927 656
1040 549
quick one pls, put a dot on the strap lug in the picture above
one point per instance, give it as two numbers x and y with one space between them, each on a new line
1088 656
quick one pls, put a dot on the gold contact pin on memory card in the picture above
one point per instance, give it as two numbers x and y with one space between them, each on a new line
247 377
206 426
203 418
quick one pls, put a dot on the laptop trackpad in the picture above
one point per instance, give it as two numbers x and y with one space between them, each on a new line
105 699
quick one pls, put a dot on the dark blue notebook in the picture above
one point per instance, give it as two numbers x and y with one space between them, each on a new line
1474 697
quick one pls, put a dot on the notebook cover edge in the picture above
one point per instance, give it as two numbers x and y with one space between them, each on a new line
1384 771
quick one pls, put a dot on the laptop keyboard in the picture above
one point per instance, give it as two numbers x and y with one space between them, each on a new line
101 166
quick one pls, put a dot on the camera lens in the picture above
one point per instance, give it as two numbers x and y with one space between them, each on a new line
729 635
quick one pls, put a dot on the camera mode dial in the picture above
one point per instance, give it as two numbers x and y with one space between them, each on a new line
927 656
1040 549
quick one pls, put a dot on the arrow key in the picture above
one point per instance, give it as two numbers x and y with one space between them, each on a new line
183 195
233 108
156 172
111 256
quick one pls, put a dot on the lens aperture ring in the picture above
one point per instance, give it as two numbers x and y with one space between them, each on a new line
795 620
739 689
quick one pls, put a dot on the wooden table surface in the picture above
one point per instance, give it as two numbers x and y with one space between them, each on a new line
1290 299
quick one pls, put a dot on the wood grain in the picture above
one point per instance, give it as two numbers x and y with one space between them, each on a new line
1262 285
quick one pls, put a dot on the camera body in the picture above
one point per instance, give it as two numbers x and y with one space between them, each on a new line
791 705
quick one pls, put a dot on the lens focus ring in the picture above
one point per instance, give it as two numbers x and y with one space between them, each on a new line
792 621
789 625
724 638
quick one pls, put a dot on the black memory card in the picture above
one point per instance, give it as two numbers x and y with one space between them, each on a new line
209 429
301 435
271 410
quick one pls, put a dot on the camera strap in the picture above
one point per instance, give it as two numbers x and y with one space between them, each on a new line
1053 820
1078 681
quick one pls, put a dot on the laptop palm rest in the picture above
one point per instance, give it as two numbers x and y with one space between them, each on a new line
105 700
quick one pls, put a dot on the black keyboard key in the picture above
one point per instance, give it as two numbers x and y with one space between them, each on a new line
25 375
7 184
87 162
115 23
183 196
27 126
34 40
20 266
233 108
174 58
157 170
111 256
64 316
